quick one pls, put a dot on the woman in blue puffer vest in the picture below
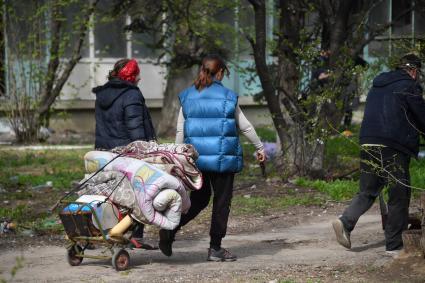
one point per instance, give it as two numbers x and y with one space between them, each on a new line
210 119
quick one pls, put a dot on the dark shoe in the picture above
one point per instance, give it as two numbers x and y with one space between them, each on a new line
166 238
342 235
140 243
220 255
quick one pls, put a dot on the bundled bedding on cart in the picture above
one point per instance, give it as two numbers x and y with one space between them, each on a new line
175 159
163 210
147 179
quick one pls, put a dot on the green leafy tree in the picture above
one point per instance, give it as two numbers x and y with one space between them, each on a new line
183 32
43 41
304 119
304 114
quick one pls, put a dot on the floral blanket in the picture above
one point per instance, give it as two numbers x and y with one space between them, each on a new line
175 159
146 182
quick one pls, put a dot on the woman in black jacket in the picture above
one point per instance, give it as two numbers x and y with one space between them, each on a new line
122 116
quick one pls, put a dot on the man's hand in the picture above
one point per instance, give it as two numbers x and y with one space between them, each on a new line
323 76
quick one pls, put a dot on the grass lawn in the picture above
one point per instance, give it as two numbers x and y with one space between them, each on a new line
20 168
342 154
21 171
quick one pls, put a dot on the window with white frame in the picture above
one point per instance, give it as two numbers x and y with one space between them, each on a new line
409 25
111 40
72 28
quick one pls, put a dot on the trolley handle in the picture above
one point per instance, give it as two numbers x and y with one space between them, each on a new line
82 184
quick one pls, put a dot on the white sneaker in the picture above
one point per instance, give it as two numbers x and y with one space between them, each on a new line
393 253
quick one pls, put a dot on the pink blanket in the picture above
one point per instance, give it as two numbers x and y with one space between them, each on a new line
147 180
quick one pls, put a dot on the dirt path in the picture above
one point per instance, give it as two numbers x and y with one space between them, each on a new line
297 253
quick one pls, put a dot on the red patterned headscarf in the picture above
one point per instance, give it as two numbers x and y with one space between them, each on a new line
130 71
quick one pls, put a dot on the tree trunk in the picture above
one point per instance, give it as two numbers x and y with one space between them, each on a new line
259 49
55 79
301 154
178 80
305 156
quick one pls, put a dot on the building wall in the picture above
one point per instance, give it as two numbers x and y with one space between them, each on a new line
106 44
91 72
83 119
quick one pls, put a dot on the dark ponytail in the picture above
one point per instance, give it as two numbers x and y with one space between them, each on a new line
117 67
211 65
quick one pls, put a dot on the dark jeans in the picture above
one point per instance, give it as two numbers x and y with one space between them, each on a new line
222 185
348 117
138 231
382 166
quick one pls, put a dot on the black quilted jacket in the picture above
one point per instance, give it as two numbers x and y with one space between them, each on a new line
121 115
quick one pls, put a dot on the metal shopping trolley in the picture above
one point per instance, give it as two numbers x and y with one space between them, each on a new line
84 227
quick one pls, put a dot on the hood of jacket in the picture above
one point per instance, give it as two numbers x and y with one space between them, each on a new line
391 77
106 94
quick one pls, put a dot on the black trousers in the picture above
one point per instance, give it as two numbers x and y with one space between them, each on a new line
222 186
138 231
383 166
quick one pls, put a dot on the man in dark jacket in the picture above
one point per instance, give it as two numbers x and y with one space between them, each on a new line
122 117
394 118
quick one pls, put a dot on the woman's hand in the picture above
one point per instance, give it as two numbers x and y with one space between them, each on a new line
261 155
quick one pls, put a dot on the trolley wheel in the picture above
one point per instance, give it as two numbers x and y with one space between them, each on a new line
120 260
72 257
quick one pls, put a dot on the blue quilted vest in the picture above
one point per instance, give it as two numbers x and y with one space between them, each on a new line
210 126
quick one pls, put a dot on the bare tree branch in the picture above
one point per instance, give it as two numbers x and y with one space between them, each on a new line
54 56
55 90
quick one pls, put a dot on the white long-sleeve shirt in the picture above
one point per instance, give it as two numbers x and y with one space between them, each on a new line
242 123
